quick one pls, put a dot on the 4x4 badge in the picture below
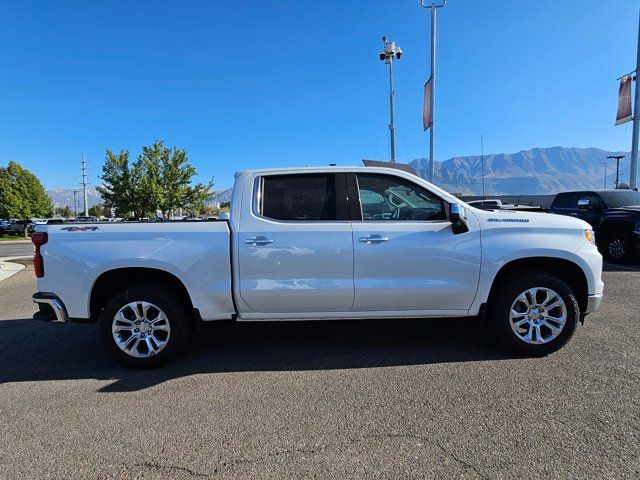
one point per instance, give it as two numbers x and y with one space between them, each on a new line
80 229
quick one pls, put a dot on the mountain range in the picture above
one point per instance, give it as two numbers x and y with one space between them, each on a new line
528 172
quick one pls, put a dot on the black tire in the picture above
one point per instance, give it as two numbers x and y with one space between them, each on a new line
618 248
499 311
176 310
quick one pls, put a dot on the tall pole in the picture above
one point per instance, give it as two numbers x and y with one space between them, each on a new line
432 168
482 164
390 52
605 175
633 175
84 185
433 7
392 127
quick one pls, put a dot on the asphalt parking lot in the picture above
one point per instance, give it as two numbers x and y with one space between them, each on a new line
384 399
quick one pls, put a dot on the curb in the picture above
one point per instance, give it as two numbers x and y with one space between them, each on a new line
9 269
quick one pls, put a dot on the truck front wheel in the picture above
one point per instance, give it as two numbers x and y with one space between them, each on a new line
144 326
534 313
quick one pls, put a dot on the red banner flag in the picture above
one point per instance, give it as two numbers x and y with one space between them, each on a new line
426 106
624 101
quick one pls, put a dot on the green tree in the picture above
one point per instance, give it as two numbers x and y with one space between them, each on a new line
21 194
65 211
99 211
169 178
125 186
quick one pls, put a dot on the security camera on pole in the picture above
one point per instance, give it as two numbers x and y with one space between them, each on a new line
389 52
428 111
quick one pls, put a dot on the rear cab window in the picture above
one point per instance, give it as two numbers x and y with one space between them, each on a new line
303 197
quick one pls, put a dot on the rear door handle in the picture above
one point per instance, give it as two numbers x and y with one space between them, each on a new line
259 241
373 239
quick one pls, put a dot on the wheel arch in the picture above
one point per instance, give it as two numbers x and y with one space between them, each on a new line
570 272
113 281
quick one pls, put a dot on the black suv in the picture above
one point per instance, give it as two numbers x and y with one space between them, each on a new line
614 215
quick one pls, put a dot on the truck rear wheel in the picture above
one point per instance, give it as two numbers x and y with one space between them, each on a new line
144 326
535 313
618 248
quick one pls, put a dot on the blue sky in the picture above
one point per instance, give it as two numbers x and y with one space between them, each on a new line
246 84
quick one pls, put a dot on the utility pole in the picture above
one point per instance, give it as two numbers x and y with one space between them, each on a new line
633 175
617 159
433 8
75 204
389 52
84 185
482 164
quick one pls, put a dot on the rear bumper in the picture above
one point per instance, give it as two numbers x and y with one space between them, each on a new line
51 308
593 303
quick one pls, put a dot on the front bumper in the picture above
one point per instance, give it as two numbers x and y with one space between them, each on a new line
51 308
593 303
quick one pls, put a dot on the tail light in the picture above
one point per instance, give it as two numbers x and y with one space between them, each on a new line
38 239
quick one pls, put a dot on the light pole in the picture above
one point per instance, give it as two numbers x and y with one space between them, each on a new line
617 159
605 175
433 7
388 53
633 174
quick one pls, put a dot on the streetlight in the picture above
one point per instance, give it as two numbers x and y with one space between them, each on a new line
433 8
388 53
617 159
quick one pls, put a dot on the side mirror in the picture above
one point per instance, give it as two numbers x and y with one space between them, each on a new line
458 219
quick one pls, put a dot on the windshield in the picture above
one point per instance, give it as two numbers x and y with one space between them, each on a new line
621 198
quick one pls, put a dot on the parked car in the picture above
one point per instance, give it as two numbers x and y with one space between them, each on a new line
318 244
20 227
89 219
614 216
4 225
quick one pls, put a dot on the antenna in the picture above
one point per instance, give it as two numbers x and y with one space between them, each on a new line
482 163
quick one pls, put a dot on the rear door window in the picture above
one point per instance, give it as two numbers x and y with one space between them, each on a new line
304 197
566 200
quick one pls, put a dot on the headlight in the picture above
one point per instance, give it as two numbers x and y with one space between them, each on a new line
590 236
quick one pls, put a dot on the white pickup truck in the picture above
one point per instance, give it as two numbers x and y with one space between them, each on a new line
321 244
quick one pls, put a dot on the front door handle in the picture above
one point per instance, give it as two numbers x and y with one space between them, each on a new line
258 241
373 239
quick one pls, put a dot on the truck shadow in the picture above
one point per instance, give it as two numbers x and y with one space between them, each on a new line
627 267
42 352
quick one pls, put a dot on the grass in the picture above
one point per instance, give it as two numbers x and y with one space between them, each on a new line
13 238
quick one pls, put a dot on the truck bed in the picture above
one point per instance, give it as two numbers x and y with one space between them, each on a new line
196 253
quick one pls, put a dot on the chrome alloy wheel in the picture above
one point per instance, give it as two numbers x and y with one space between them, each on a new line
141 329
538 315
